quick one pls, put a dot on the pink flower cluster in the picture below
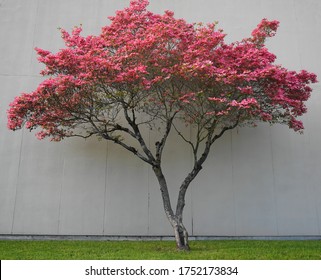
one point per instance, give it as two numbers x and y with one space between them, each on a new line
265 29
154 62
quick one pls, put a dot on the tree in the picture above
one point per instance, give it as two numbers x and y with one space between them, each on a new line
155 71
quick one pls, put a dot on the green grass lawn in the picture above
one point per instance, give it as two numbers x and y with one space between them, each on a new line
161 250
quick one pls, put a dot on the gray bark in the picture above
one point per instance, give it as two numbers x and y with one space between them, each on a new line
180 232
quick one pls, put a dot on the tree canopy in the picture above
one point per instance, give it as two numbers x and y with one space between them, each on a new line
160 66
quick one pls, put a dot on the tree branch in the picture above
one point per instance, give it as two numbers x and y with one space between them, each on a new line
198 167
160 145
127 147
137 134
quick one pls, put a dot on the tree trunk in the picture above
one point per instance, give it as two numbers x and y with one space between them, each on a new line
180 232
181 237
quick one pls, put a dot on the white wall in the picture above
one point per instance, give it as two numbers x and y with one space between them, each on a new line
262 181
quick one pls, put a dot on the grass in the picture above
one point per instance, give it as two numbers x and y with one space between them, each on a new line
160 250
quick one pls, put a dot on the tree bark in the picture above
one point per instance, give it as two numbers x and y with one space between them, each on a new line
180 232
181 237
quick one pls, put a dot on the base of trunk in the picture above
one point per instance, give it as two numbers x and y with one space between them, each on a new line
183 248
181 238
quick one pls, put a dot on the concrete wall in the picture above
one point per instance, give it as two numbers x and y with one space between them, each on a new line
262 181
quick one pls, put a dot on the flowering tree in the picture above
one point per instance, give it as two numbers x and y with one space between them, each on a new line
146 69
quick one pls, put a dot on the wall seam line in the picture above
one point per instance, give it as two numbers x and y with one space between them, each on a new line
17 183
105 191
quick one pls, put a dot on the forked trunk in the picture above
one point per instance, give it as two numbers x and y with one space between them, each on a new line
180 232
181 237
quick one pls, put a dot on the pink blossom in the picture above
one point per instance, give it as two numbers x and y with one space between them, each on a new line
156 62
